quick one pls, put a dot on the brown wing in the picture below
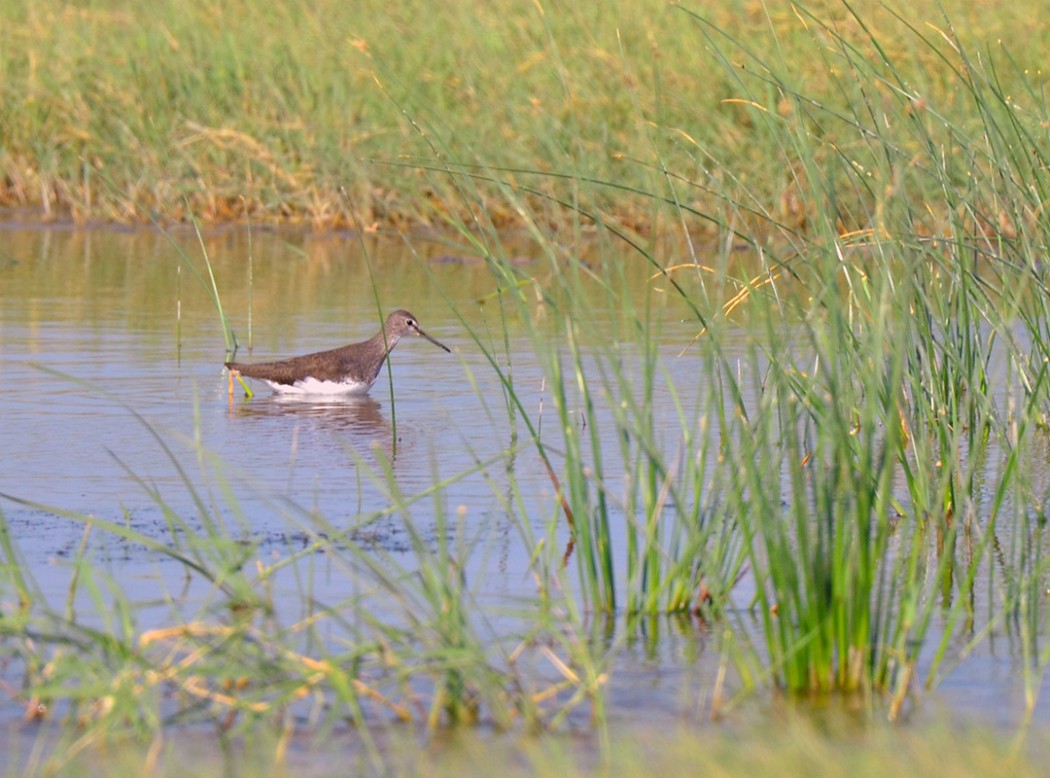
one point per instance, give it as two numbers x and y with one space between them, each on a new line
324 366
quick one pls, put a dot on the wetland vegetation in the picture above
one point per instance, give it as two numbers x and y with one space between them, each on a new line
846 208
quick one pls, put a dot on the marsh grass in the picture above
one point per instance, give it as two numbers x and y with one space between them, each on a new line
835 749
406 644
225 111
855 467
847 470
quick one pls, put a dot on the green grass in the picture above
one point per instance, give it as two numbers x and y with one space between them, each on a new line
871 376
217 110
799 747
852 449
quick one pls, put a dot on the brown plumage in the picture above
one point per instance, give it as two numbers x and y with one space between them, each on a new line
349 369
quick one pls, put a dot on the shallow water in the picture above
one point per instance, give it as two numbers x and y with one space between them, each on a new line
116 405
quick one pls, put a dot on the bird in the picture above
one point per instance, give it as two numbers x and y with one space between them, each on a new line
347 370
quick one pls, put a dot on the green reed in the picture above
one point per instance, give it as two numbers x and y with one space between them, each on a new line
211 286
840 467
892 386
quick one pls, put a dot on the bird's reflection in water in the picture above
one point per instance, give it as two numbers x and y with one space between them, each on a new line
338 413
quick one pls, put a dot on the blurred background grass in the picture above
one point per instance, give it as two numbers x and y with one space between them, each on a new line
122 111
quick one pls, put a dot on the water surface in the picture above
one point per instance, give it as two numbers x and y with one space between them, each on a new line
116 405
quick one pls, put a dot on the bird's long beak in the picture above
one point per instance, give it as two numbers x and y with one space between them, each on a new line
419 331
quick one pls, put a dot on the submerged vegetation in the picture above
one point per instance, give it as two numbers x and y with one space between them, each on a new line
870 191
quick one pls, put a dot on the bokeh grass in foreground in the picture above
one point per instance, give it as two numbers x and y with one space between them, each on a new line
796 747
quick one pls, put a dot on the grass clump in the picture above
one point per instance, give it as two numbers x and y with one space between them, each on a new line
861 432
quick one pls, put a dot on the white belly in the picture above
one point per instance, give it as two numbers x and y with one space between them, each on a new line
313 386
